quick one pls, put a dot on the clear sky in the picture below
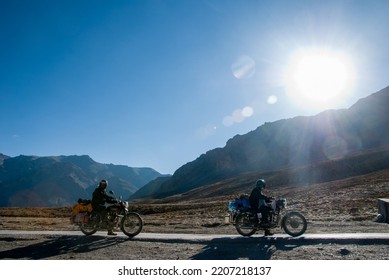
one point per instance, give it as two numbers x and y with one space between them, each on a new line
156 83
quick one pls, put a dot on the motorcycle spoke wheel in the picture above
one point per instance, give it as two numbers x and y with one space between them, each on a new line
131 224
294 224
91 226
244 225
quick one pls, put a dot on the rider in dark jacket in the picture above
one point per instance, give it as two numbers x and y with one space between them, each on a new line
258 203
99 197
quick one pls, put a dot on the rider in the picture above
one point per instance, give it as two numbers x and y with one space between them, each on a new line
99 197
258 204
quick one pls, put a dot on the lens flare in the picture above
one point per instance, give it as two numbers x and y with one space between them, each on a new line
243 67
272 99
247 112
334 147
238 116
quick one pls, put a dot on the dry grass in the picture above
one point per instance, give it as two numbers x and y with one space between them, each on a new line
341 206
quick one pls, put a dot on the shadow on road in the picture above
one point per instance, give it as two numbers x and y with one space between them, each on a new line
255 248
225 248
56 246
262 248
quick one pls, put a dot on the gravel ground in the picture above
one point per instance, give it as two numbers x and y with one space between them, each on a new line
55 247
117 248
348 206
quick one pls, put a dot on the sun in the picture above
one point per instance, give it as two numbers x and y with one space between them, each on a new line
319 78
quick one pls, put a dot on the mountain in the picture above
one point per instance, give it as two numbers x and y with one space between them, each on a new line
61 180
288 143
2 158
360 168
150 187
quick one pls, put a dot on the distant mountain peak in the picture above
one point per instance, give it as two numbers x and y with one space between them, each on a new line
288 143
2 158
61 180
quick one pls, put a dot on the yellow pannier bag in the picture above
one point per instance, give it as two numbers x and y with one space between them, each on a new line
80 211
82 207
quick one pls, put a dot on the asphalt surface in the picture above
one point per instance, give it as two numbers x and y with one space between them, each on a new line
327 237
66 245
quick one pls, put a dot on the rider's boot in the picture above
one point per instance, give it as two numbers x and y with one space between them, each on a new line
268 232
110 232
264 223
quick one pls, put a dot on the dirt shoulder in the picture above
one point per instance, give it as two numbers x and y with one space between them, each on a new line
342 206
54 247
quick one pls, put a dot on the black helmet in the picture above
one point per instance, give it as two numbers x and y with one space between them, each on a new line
103 182
261 183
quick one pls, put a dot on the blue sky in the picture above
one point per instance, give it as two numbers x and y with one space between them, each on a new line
158 83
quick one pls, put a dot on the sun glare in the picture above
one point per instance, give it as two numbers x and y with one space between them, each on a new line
319 78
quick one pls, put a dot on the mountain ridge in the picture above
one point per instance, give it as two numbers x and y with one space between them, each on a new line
288 144
61 180
285 143
355 168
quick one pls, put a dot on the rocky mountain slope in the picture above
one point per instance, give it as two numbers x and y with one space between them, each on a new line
285 144
61 180
329 146
368 167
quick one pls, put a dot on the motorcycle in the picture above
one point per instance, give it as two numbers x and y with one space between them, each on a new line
248 222
116 215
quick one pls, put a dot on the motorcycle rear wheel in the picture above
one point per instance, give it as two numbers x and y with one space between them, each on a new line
131 224
91 226
244 224
294 224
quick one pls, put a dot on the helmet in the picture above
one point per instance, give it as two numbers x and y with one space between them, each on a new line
261 183
103 183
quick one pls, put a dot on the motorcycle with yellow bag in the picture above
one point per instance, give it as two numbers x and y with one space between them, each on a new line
116 215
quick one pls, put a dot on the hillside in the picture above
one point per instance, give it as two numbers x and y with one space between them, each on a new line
288 143
370 165
332 145
61 180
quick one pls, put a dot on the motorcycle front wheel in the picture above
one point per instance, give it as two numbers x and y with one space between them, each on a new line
244 224
131 224
91 226
294 224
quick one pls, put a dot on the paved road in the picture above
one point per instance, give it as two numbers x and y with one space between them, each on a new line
335 237
146 246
